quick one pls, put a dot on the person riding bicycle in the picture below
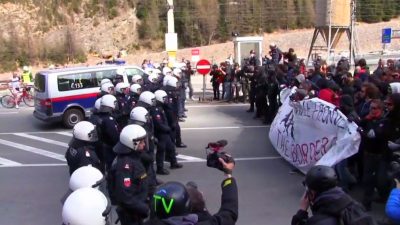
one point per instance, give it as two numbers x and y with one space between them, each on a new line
15 88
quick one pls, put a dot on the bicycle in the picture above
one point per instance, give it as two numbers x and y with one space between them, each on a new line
8 101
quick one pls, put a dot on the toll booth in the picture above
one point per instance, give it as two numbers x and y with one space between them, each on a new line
243 46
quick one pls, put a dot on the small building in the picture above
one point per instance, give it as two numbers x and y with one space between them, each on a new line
243 46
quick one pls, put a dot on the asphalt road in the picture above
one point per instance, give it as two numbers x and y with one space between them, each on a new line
34 176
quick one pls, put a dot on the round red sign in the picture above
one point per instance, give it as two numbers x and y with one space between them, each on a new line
203 66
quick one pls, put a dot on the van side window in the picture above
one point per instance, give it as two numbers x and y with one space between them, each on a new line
130 72
76 81
100 75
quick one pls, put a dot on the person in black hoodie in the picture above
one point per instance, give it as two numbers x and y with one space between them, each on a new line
327 201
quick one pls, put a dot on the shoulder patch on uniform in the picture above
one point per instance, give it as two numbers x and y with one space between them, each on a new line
143 176
111 118
158 116
87 153
73 151
227 182
127 182
126 166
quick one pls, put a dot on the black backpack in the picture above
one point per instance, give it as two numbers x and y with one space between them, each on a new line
353 214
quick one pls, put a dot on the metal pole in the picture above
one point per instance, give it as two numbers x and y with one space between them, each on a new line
170 16
352 31
330 31
204 86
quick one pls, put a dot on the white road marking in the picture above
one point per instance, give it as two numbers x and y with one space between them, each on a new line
7 113
65 134
50 141
221 128
217 105
7 162
194 160
190 158
34 165
258 158
33 150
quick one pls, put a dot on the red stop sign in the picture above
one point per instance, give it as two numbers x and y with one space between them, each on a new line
203 66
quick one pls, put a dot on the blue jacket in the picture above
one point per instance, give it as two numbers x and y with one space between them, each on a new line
393 206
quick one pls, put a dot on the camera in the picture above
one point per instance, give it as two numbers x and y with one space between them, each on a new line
214 152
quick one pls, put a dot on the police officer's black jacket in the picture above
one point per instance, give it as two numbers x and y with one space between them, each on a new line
133 100
81 153
128 181
228 212
160 121
109 129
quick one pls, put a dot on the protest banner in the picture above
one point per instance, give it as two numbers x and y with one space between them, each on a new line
312 132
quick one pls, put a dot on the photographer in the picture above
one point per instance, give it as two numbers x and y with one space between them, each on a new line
329 204
172 202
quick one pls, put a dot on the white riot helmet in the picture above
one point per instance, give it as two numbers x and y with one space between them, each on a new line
156 71
107 87
148 70
161 96
25 68
166 71
165 80
121 87
97 104
137 79
139 114
148 98
86 206
85 176
172 82
131 136
272 45
85 131
153 78
108 101
105 80
136 88
120 71
177 73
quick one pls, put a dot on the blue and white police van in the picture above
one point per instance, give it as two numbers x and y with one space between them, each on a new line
68 95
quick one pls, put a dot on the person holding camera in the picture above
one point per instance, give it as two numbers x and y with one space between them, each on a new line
172 203
329 204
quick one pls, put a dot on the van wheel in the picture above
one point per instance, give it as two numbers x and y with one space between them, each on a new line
72 117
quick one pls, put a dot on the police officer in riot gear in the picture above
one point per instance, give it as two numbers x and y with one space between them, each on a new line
171 110
86 206
105 89
162 132
141 117
122 114
133 98
119 76
128 179
109 128
171 202
137 79
152 83
81 150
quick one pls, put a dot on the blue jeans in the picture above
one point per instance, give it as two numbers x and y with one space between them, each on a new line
227 91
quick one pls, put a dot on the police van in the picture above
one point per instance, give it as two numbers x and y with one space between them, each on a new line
68 95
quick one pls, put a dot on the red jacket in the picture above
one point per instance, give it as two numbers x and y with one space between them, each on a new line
329 96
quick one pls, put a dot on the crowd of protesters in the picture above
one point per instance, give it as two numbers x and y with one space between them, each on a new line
369 98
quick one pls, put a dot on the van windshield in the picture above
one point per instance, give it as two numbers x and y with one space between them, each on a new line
40 83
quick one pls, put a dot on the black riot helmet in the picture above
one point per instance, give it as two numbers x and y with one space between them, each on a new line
171 199
321 178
